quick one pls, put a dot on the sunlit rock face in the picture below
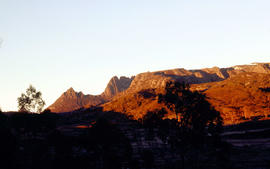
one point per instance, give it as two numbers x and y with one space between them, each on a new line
242 97
116 85
72 100
237 92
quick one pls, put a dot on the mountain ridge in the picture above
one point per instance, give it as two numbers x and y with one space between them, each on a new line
72 100
125 94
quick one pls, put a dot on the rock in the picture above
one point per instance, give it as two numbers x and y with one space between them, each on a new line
71 100
116 85
235 91
238 92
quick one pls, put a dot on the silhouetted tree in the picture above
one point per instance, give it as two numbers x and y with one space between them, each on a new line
196 119
31 101
193 111
175 96
155 120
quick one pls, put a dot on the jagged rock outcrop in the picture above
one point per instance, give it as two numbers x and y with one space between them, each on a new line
71 100
238 92
150 80
236 84
116 85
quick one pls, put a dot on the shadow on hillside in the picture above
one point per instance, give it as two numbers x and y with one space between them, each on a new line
54 141
92 138
88 138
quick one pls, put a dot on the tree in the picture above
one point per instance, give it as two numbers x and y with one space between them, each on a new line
31 101
193 111
196 119
175 96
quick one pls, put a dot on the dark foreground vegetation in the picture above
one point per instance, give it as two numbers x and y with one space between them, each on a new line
92 138
95 139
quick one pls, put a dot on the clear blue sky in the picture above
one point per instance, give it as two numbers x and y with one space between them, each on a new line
56 44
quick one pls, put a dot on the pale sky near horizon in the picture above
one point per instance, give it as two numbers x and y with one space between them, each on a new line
56 44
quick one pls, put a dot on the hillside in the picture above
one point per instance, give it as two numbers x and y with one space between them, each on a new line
240 98
240 92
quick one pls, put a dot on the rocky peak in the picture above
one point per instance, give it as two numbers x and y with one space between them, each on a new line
70 90
117 85
70 93
72 100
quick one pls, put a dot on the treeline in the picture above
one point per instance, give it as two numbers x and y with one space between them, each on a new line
113 141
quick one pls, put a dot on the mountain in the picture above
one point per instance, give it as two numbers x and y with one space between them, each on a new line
240 93
72 100
237 92
158 79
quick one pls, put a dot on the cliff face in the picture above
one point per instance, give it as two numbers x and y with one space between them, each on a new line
116 85
239 92
236 91
71 100
198 76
